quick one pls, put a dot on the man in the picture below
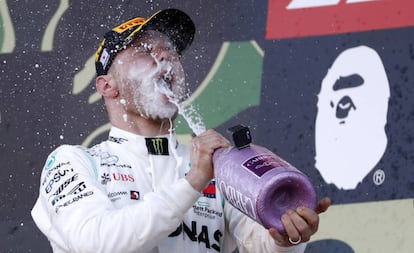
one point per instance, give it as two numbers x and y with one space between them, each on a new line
141 191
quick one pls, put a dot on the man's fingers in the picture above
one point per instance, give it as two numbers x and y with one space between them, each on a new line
323 205
290 228
311 218
212 139
301 225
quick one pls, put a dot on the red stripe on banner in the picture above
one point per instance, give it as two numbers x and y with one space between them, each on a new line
335 19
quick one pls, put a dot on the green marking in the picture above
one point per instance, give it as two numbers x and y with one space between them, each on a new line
50 161
93 164
202 203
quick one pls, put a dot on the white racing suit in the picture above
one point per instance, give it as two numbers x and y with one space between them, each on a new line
129 194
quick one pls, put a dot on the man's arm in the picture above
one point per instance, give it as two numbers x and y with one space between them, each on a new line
86 220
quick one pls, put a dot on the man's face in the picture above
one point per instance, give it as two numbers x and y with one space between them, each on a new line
352 113
150 76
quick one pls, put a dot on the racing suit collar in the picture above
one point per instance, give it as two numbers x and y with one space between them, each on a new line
137 141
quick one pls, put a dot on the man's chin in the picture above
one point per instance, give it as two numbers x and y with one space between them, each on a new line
164 117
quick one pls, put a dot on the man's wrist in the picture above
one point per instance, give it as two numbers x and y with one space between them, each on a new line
197 180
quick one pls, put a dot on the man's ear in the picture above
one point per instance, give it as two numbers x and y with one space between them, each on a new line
106 86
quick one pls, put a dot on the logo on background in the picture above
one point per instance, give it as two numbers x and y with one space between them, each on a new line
350 123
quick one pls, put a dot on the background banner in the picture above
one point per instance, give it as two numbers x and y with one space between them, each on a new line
325 84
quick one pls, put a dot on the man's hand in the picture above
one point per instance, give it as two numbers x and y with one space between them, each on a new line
300 224
201 158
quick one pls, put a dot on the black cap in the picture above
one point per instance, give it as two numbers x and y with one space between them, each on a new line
176 24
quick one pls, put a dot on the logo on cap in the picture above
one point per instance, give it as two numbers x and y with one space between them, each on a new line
130 23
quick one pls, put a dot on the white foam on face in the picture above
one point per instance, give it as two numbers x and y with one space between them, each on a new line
151 85
154 84
189 113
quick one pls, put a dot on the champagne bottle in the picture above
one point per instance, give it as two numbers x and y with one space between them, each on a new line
258 182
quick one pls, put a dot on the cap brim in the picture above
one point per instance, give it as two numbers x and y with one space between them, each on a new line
176 24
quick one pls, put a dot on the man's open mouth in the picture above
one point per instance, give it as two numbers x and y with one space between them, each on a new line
164 85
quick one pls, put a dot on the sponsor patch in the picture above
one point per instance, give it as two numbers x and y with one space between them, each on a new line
50 162
210 190
76 190
105 178
135 195
74 199
157 146
104 57
114 196
117 139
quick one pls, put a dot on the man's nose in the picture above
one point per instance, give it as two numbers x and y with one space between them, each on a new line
163 54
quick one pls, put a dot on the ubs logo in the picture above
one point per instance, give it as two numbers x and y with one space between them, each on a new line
123 177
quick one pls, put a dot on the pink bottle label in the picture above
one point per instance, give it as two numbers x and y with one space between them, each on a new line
262 163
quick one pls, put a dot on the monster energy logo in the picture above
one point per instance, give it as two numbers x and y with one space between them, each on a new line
157 146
